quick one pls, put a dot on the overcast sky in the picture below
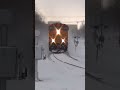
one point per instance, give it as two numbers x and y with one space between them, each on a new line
61 7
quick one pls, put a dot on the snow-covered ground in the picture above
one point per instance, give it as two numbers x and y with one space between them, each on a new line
57 75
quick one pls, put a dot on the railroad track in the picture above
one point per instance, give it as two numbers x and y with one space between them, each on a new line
98 79
67 62
71 57
50 57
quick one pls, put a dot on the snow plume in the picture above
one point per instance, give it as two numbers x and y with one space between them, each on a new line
81 31
38 20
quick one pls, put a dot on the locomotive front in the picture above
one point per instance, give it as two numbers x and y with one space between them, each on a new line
58 37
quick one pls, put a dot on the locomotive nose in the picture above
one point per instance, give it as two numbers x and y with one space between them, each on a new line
58 37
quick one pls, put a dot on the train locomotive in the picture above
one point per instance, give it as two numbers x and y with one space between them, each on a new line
58 37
